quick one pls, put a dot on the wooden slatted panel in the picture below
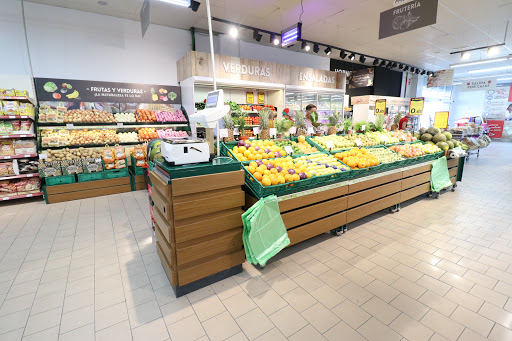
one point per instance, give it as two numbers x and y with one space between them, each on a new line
360 186
140 186
210 266
453 162
206 246
167 249
304 215
371 194
165 225
171 274
203 183
139 179
81 186
417 170
84 194
453 180
207 224
160 185
415 180
453 171
290 204
375 206
414 192
163 205
315 228
199 207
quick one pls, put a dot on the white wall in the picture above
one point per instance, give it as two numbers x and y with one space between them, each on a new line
466 104
227 46
72 44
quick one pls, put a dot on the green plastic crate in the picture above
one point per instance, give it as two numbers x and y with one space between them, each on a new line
60 180
132 182
134 169
91 176
116 173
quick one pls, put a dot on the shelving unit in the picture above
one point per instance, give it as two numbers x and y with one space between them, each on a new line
14 136
21 196
9 177
21 156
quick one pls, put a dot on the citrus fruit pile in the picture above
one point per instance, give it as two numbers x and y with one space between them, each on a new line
277 171
357 158
257 150
321 164
408 150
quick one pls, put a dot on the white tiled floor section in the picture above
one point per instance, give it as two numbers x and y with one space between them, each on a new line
437 270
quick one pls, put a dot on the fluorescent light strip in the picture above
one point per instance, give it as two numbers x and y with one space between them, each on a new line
184 3
491 69
291 33
479 62
457 83
504 79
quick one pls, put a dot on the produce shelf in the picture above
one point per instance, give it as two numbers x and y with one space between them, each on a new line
109 124
16 117
13 136
93 145
8 177
30 195
17 98
21 156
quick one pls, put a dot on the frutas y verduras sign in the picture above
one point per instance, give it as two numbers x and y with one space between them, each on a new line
407 17
479 84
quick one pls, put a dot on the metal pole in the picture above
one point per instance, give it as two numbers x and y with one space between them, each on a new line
212 52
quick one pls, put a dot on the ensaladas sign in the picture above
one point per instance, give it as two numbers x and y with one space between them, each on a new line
407 17
233 68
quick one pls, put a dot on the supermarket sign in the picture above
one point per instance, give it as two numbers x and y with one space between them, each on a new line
496 128
73 90
479 84
405 17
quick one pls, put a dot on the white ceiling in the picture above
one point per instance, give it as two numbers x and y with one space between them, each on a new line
350 24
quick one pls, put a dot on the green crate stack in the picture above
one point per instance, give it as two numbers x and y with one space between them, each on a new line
84 177
60 180
116 173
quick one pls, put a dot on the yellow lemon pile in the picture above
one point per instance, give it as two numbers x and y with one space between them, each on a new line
277 171
257 150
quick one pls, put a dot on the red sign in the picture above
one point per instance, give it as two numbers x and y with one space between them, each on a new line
510 93
495 128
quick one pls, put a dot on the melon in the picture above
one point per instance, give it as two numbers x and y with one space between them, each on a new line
417 136
439 138
443 145
431 143
431 131
426 137
436 130
448 135
451 145
423 131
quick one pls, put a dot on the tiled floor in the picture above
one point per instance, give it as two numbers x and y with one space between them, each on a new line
437 270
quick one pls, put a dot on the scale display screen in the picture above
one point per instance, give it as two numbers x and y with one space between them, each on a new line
213 98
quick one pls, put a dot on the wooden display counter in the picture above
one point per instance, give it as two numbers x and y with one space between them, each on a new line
199 227
313 212
89 189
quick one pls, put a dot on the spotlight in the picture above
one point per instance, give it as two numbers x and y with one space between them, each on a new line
412 69
375 61
343 54
492 51
305 46
382 63
194 5
394 65
316 48
362 59
257 36
423 72
406 68
417 71
233 32
390 64
465 55
328 50
273 39
352 56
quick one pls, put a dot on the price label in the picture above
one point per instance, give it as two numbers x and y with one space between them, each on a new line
69 125
288 150
384 139
311 130
256 130
30 175
236 131
29 195
26 155
293 130
120 125
358 143
43 156
330 146
6 157
223 133
273 132
363 128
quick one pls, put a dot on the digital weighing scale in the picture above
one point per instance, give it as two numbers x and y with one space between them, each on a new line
189 151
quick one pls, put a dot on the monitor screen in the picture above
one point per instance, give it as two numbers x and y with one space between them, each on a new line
211 101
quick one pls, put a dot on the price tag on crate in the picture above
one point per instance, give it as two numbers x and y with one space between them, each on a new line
69 125
29 195
288 150
384 139
329 144
7 157
363 128
293 130
311 130
256 130
223 133
236 132
120 125
273 132
358 143
43 156
30 175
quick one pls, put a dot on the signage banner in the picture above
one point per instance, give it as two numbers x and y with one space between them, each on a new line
441 119
495 128
249 97
479 84
261 98
361 78
72 90
441 78
416 106
497 104
380 107
145 17
407 17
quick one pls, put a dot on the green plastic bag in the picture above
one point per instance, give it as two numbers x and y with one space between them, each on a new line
264 232
439 176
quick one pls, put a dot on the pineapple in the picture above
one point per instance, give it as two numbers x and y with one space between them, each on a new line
264 120
334 120
227 120
300 122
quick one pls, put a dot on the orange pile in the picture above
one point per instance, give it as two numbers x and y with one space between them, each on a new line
357 158
143 115
146 134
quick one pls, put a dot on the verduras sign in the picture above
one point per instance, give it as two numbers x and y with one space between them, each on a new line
407 17
479 84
